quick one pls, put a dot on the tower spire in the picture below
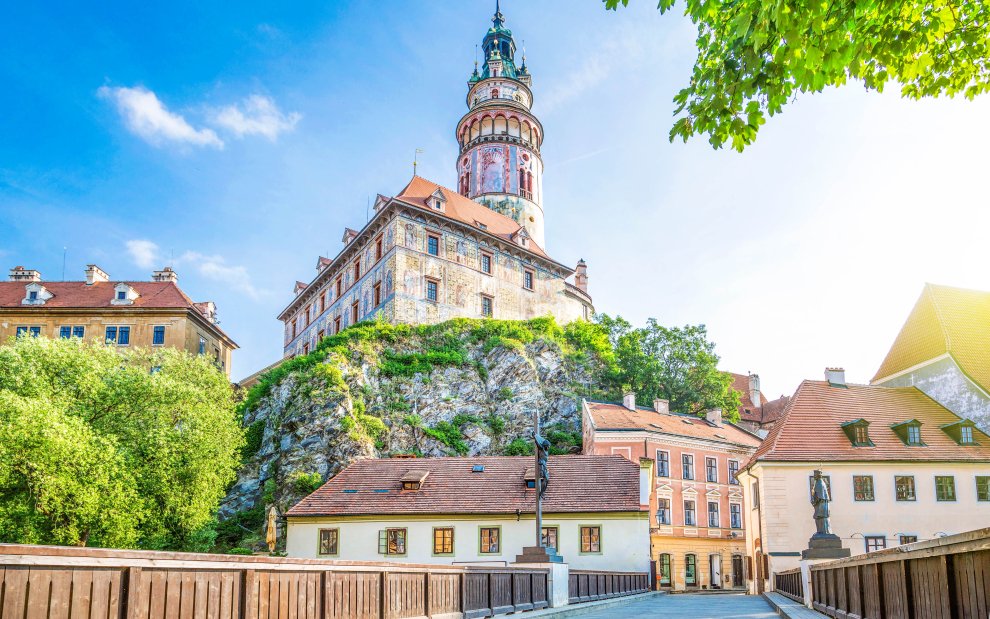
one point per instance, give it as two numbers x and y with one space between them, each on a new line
499 19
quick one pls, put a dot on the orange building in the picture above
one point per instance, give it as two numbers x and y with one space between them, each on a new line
122 313
697 535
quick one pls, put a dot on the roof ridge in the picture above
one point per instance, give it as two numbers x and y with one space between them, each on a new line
929 291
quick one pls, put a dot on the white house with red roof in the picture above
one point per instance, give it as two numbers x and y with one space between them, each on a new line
478 511
900 467
430 253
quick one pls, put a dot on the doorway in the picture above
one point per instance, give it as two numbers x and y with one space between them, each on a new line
715 566
737 571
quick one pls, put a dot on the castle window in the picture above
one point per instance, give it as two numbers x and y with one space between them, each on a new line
357 270
433 245
293 329
378 249
340 287
378 294
158 336
336 325
202 346
487 306
354 312
121 295
323 302
528 279
33 295
486 263
432 290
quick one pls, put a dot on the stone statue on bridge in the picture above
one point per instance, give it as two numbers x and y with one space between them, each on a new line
823 544
820 498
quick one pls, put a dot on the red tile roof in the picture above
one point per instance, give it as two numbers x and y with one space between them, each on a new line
577 484
158 295
944 320
465 210
748 410
810 429
606 416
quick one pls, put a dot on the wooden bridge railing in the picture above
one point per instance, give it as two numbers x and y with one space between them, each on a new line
39 582
589 585
788 583
942 578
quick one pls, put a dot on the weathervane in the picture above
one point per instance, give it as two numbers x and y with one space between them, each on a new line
416 159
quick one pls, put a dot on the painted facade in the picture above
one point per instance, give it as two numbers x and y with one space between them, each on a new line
697 534
431 254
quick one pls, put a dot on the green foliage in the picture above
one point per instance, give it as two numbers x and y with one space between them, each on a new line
678 364
268 491
450 433
240 551
253 436
240 526
97 450
562 440
495 423
305 483
410 364
754 56
505 393
519 447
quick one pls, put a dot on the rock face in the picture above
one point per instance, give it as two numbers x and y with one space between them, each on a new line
348 406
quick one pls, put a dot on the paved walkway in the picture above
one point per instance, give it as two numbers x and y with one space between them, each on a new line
689 606
787 607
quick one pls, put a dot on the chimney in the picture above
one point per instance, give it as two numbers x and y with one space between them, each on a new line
754 389
581 276
20 274
95 274
661 406
165 275
836 377
714 416
629 400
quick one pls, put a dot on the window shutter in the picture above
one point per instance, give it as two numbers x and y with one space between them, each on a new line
382 543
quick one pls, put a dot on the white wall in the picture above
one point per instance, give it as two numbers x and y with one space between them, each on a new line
786 510
625 540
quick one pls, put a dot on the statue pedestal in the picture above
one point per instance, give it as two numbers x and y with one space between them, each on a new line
825 546
548 559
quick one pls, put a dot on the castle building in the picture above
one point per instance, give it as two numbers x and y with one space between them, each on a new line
430 253
124 314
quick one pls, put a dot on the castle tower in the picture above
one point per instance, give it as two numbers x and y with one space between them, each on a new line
499 163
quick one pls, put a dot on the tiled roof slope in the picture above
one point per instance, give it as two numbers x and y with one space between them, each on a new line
464 210
577 484
748 409
156 295
944 320
608 416
810 430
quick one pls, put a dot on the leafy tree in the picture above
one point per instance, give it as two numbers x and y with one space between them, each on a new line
756 55
112 449
678 364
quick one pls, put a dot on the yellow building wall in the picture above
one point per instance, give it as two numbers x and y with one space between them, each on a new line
180 331
679 547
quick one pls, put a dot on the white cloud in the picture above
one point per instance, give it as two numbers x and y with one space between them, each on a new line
216 268
256 115
148 118
143 252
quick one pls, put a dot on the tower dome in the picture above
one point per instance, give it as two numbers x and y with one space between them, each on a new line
499 163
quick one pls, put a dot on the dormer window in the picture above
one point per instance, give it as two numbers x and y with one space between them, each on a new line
961 432
413 480
530 477
124 294
436 200
35 294
858 432
909 432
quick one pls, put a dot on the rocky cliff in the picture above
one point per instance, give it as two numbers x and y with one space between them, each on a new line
377 390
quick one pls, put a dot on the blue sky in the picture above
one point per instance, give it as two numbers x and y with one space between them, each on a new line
238 144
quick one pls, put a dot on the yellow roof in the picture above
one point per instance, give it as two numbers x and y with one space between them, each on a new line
944 320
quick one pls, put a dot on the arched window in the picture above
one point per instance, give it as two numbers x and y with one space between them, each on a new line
522 180
494 93
690 571
486 125
475 129
526 135
529 182
663 570
514 127
500 125
467 183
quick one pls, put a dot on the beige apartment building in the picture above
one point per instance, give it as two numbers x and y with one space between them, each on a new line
697 528
123 313
900 467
